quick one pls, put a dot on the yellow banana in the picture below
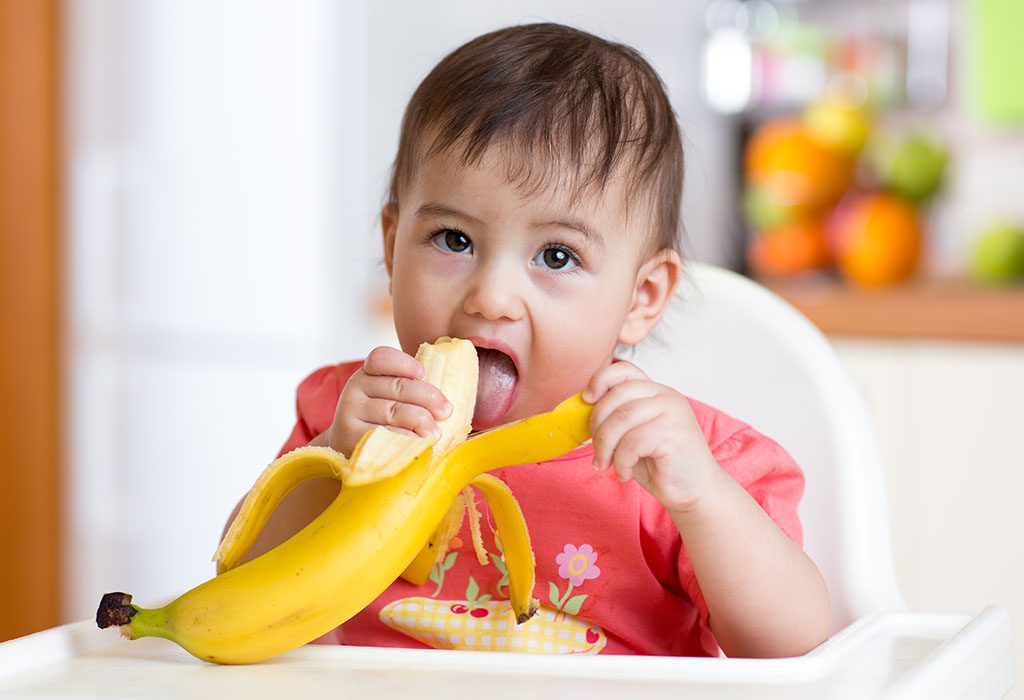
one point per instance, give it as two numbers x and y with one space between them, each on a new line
511 528
514 538
418 570
450 365
273 485
366 538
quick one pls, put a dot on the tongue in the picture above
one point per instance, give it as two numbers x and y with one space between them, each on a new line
495 387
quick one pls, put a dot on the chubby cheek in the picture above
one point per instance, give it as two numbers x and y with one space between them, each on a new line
564 362
422 303
573 336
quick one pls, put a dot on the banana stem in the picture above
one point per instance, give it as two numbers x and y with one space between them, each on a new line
116 610
150 623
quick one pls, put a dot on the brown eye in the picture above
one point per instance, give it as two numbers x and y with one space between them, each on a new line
452 241
556 258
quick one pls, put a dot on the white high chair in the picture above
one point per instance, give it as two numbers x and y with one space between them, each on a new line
735 345
731 343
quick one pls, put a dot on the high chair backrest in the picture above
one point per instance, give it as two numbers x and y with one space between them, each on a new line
731 343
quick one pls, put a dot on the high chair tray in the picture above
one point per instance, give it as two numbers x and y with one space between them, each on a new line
890 655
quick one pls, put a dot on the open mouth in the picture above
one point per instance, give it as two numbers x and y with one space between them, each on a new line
497 387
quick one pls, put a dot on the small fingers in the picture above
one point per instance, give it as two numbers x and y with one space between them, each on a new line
396 414
609 376
611 433
640 442
620 394
410 391
387 361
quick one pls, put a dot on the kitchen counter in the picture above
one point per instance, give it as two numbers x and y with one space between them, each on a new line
937 309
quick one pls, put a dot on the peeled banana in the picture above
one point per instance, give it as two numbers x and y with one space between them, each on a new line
396 490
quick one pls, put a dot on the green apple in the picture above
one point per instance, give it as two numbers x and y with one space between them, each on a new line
997 256
912 165
772 203
764 209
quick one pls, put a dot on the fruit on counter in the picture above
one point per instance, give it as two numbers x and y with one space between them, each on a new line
785 158
789 250
771 205
875 238
997 255
911 164
839 124
364 540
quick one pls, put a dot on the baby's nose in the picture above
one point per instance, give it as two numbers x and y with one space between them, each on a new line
494 295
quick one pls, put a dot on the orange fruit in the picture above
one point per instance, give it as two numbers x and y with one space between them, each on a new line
784 157
877 239
789 250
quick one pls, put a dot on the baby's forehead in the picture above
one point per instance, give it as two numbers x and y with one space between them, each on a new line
505 177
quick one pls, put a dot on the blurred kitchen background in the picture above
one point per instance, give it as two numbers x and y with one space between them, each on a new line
189 192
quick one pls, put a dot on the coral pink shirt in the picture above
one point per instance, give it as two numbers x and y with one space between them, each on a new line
613 575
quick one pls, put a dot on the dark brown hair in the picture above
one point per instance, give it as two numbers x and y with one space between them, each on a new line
572 106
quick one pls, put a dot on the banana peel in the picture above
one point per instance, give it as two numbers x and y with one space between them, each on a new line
397 493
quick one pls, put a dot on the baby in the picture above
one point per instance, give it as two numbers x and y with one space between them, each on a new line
534 209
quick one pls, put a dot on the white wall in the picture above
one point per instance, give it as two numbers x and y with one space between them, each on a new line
226 162
219 235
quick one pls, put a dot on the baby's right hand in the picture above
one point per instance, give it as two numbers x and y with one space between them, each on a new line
388 390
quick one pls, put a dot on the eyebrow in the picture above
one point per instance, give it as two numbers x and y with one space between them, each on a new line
437 209
571 223
580 227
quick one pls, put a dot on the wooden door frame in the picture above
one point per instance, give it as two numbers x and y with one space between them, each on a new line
31 317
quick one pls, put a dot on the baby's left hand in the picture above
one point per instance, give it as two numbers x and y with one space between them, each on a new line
647 432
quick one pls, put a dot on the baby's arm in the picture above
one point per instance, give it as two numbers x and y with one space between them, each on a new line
388 390
764 595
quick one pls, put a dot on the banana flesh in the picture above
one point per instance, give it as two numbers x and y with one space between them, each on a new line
381 453
366 538
451 365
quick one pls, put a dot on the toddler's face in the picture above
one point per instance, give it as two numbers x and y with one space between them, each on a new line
547 281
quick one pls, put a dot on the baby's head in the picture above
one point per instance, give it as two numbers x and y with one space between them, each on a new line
534 208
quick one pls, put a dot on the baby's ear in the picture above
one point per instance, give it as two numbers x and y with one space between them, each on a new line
656 282
389 227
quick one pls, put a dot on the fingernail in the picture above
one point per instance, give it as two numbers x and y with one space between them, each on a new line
597 465
448 408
